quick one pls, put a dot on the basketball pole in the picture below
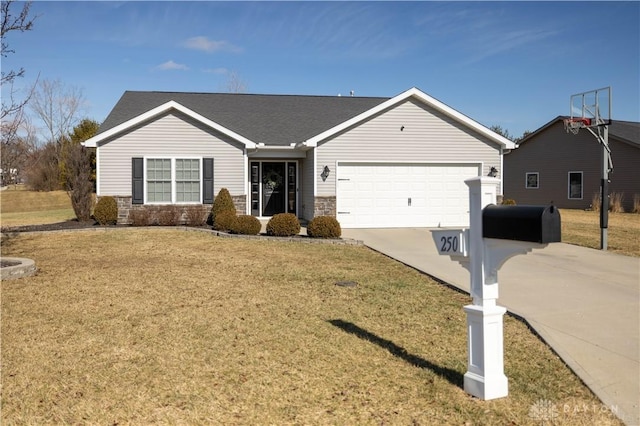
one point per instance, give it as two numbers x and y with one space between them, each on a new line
603 138
588 105
604 188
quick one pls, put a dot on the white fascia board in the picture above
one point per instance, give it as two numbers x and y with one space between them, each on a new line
306 145
262 147
93 142
423 97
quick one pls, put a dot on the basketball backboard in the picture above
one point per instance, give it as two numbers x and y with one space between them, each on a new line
592 108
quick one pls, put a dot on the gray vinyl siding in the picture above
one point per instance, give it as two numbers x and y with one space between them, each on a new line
427 137
170 135
306 176
553 154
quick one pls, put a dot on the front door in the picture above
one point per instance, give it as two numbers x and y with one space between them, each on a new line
273 187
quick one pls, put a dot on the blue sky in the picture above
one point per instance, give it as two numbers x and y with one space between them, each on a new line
513 64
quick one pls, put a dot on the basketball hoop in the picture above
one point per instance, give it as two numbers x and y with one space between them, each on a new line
574 124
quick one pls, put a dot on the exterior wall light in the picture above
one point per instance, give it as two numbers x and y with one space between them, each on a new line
493 172
325 173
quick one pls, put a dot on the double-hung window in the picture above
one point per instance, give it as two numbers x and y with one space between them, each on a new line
159 180
575 185
173 180
187 180
532 180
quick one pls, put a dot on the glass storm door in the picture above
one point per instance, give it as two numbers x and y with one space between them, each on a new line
273 188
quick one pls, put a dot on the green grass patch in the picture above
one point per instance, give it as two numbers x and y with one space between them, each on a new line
163 326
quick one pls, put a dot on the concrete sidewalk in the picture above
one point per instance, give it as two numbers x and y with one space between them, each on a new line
584 303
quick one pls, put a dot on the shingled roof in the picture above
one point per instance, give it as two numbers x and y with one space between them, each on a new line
269 119
626 131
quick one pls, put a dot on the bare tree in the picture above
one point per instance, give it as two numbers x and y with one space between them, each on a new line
58 106
502 132
9 23
234 83
42 171
17 143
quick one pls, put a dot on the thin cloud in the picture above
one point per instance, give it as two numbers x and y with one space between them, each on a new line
479 33
170 65
210 46
493 44
220 71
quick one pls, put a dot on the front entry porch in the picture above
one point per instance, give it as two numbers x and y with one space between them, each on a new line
274 187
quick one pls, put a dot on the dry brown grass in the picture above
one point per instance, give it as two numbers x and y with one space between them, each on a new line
582 228
19 206
163 326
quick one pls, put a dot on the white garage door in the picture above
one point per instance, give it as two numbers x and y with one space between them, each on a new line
371 195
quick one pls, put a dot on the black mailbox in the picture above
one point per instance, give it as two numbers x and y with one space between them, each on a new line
538 224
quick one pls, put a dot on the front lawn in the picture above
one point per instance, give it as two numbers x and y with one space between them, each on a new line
166 326
582 228
19 206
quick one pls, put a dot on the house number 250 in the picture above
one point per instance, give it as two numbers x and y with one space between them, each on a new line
449 243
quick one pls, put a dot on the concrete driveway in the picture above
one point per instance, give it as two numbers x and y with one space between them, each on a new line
584 303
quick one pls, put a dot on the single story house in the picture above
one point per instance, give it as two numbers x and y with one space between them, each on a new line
368 161
552 166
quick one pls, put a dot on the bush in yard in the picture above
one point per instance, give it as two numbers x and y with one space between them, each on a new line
195 216
283 225
615 202
508 202
169 216
78 180
139 217
223 202
246 225
225 221
106 211
324 227
595 202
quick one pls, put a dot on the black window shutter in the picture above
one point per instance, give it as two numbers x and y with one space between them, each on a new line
137 181
207 180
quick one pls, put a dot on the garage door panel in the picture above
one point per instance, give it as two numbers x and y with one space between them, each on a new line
377 195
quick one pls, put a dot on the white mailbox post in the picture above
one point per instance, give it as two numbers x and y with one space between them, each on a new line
482 257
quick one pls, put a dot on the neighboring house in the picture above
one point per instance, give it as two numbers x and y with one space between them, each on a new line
552 166
369 162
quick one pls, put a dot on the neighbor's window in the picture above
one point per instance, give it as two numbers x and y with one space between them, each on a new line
575 185
173 180
158 180
187 180
532 180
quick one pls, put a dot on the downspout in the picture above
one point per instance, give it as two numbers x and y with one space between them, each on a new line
315 179
247 203
502 171
98 171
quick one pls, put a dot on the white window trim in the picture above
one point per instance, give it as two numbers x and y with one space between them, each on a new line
526 180
569 185
173 179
